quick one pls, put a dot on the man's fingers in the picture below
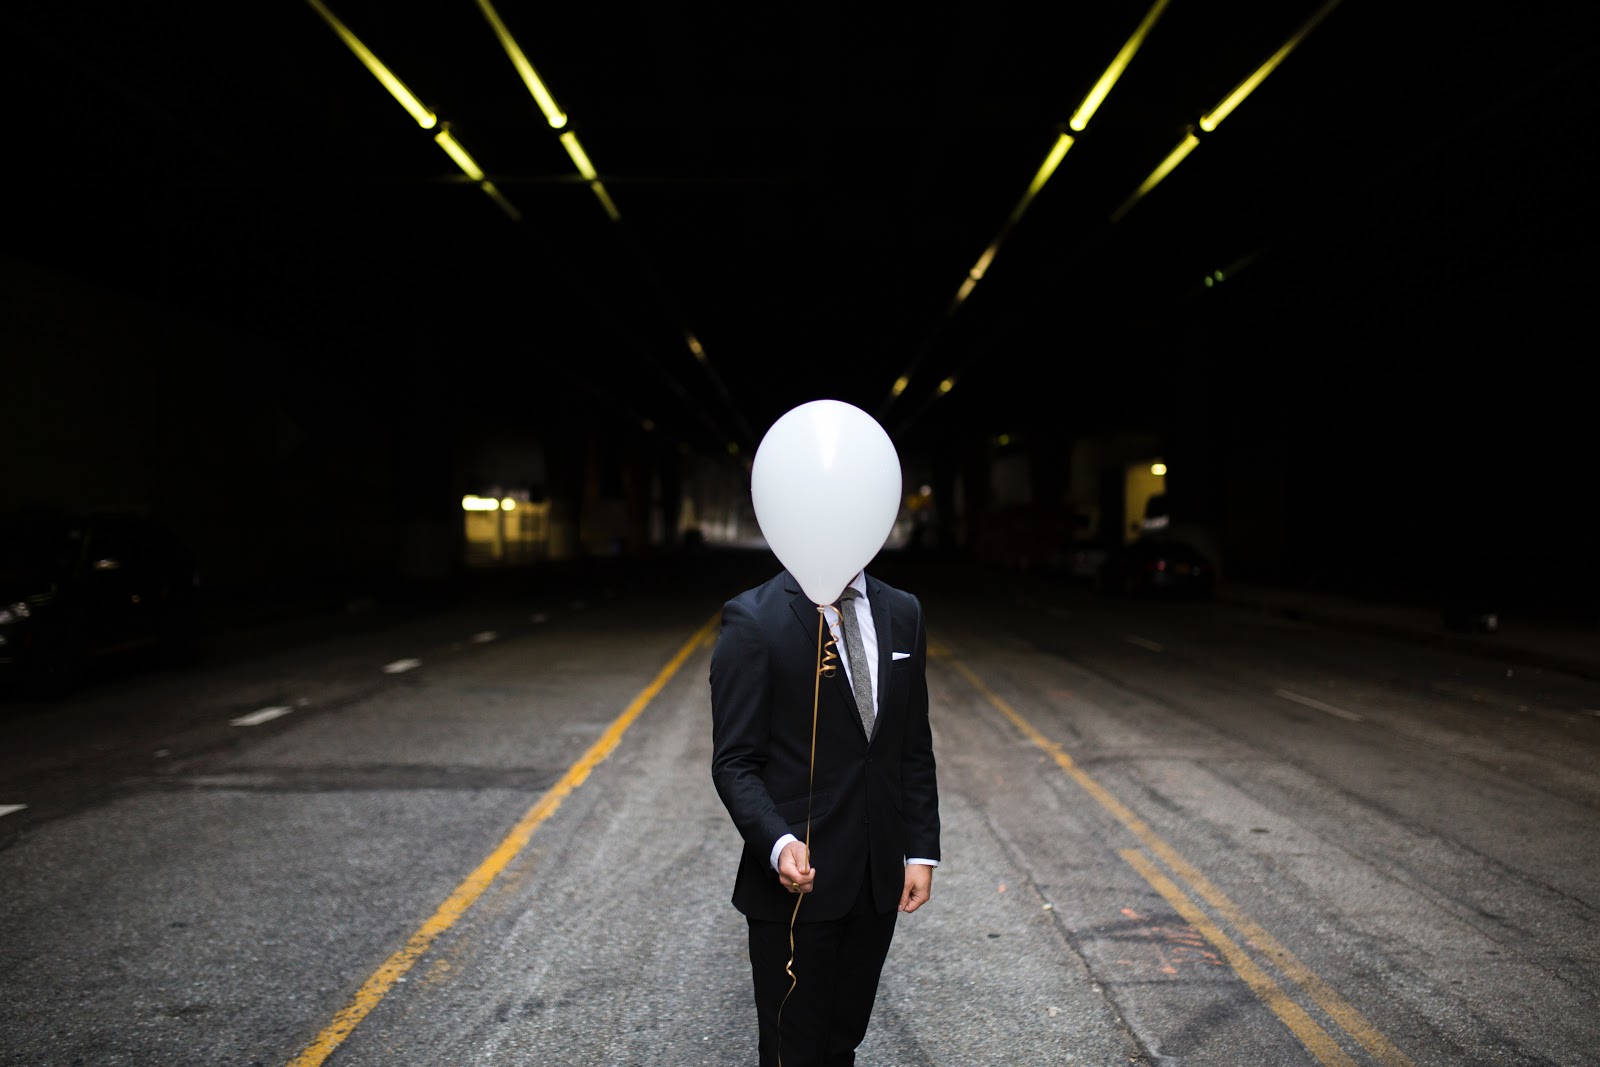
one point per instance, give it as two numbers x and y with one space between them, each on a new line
918 888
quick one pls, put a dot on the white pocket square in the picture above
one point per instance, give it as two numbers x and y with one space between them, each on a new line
900 655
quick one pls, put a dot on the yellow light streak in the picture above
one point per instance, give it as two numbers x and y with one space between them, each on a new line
397 89
695 347
899 386
453 149
1091 103
1051 162
947 385
1046 169
1213 118
1042 175
530 77
605 200
508 504
479 503
505 205
580 158
1174 157
981 267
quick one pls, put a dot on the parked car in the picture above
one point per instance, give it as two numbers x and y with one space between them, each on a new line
76 590
1157 567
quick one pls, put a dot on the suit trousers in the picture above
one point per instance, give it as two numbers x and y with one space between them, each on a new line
837 964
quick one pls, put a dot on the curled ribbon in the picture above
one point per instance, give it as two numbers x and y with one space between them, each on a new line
827 663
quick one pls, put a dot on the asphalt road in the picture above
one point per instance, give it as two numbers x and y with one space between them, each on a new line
485 833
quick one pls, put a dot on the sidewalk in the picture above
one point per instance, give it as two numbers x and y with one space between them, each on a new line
1528 640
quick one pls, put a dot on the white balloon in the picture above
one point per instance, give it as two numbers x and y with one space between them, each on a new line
825 484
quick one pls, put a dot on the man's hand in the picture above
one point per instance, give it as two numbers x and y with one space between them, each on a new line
794 868
919 886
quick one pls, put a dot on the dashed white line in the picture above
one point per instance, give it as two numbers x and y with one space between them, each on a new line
484 638
256 718
7 809
538 616
1144 642
1349 716
400 666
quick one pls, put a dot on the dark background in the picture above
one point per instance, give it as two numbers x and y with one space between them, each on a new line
239 273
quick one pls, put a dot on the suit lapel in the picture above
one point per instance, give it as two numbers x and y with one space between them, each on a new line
883 625
809 618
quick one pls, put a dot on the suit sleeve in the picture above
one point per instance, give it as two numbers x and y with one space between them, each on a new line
741 716
917 771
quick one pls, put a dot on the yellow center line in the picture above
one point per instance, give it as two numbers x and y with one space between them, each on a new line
1338 1009
1314 1037
465 894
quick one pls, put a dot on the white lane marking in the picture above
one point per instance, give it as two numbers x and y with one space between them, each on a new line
1596 714
399 666
484 638
1319 705
1143 642
538 616
7 809
256 718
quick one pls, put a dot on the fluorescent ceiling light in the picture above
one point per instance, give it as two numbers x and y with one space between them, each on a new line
1047 168
605 201
425 118
505 205
530 77
982 266
580 158
1097 95
1174 157
453 149
1213 118
1057 152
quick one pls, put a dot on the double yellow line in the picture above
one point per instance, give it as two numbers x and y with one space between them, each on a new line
1310 1033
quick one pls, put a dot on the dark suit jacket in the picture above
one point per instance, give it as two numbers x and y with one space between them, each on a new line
872 805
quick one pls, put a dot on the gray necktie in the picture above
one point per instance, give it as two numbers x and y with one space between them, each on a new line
860 676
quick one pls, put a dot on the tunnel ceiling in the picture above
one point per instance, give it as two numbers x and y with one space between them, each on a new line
802 190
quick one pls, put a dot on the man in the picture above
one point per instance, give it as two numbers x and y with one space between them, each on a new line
860 789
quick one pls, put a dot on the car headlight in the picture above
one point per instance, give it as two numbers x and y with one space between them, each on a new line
11 613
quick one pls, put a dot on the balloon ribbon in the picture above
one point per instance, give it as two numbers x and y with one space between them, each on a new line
827 663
